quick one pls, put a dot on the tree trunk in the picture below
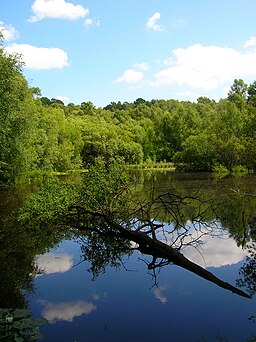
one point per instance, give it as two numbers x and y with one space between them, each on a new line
161 250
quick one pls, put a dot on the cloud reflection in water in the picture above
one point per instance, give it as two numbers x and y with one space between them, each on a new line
66 311
215 252
54 263
158 292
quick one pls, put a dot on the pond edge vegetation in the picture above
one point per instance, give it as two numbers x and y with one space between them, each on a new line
42 136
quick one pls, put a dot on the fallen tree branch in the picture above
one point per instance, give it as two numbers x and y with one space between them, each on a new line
152 246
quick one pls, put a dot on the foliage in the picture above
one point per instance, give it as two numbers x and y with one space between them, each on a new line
239 169
102 250
57 209
41 134
248 271
17 109
49 204
218 168
17 325
21 241
103 188
198 153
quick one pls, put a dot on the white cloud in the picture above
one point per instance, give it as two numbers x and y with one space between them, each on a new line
141 66
250 42
168 61
9 32
90 22
152 22
206 67
40 58
131 76
192 96
54 263
158 292
57 9
66 311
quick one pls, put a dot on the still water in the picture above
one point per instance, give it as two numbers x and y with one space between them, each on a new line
128 303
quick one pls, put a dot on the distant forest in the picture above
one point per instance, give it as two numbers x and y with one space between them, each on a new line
39 134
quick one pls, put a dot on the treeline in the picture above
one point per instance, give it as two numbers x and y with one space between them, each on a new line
41 134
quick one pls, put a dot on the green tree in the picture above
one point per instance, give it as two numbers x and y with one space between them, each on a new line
181 121
57 101
252 94
45 101
88 108
17 119
228 121
51 122
198 153
70 144
231 152
238 93
239 88
139 101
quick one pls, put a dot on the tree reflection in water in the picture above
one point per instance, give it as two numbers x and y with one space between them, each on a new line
248 271
108 237
112 218
113 221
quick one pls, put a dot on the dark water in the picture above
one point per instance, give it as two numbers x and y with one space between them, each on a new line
123 304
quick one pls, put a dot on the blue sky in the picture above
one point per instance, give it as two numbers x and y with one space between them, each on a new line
111 50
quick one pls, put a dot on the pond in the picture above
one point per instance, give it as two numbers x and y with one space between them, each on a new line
135 302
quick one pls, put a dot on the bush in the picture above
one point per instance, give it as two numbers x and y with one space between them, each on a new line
239 169
219 168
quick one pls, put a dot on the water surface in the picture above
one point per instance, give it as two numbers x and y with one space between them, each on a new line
129 303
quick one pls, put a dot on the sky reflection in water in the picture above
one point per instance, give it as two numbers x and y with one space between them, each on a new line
122 305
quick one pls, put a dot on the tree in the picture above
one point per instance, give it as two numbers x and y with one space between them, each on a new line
230 152
45 101
139 101
198 153
252 94
228 121
88 108
47 142
17 119
57 101
239 88
248 271
238 93
36 92
70 144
